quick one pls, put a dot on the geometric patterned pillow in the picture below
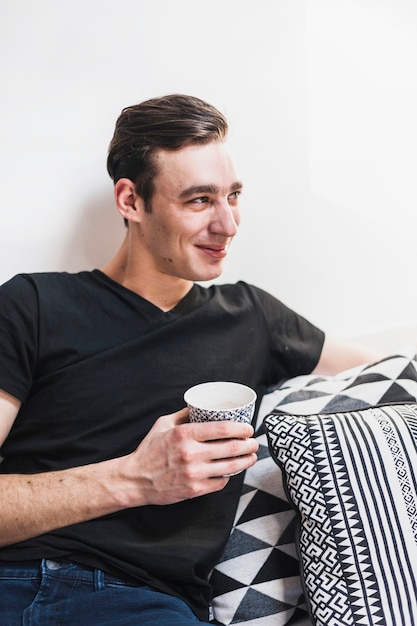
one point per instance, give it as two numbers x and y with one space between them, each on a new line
351 476
393 379
257 580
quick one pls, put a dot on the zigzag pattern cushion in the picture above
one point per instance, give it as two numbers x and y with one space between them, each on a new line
257 580
350 475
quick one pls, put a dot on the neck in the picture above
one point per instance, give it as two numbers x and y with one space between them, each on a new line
160 289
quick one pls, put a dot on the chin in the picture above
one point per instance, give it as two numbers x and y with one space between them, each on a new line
202 273
204 276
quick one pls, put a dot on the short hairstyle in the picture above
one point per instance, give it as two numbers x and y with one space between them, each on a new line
169 123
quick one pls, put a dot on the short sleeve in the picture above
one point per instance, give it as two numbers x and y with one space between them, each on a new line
18 335
295 342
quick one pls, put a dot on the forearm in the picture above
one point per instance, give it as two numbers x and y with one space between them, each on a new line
33 504
339 355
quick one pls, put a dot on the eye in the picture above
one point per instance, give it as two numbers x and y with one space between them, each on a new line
234 196
200 200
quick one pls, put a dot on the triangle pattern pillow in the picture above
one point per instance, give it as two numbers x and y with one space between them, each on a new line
257 580
393 379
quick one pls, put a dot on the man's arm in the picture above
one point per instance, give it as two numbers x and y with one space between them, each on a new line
338 355
9 408
176 461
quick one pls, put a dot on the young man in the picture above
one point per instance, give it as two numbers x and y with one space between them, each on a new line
114 507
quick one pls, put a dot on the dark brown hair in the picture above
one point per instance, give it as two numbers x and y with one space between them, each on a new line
169 123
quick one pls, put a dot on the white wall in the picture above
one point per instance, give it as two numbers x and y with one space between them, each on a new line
321 96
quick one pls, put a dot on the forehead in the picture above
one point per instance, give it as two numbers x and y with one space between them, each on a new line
195 165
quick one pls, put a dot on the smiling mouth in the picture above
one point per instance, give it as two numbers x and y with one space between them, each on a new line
218 252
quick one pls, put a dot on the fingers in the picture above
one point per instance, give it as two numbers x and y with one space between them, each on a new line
230 467
231 456
230 448
224 429
223 440
207 431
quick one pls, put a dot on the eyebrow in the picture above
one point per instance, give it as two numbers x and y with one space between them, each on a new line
213 189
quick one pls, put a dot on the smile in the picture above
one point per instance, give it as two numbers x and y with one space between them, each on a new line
216 252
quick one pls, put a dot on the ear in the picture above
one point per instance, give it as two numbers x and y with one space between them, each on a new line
128 203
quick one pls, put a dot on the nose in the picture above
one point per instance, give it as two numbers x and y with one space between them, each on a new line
226 220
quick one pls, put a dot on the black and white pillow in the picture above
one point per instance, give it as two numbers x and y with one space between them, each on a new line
393 379
257 581
351 476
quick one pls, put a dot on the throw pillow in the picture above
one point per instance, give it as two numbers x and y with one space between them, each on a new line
257 580
393 379
351 477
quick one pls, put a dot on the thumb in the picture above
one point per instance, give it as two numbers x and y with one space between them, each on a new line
182 416
174 419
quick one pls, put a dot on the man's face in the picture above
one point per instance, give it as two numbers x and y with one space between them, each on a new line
194 214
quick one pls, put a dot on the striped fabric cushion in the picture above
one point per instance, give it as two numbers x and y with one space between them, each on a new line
351 476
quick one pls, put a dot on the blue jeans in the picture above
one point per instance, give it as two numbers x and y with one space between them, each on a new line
61 593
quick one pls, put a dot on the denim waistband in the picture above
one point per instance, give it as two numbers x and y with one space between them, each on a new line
55 591
61 567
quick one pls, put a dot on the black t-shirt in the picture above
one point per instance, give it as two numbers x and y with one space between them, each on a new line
95 365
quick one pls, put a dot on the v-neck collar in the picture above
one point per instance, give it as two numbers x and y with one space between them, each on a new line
192 299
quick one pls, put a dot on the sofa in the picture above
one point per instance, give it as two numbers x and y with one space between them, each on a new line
326 528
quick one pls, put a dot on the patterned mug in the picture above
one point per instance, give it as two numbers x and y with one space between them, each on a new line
220 400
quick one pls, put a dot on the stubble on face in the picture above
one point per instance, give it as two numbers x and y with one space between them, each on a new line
188 229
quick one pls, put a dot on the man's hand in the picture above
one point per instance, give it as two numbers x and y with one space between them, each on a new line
178 460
